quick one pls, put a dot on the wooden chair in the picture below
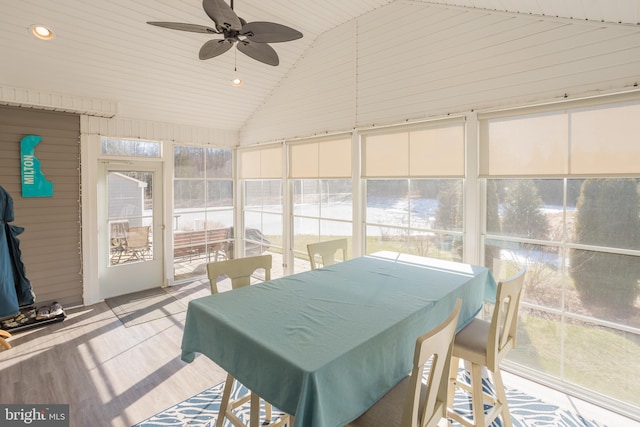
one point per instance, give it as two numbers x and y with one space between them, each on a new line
484 343
327 251
411 403
3 343
240 270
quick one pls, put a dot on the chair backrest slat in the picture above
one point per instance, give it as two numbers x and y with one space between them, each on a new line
138 237
327 251
437 344
502 334
239 270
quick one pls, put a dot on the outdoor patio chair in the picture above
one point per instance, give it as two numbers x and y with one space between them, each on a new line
137 246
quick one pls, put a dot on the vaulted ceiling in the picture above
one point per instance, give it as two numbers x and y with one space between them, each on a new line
105 50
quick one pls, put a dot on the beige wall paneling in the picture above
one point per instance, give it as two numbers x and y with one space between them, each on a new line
50 243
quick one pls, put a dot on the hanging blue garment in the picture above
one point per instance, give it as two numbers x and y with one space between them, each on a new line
15 288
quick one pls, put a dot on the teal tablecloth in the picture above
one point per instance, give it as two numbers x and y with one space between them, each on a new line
324 345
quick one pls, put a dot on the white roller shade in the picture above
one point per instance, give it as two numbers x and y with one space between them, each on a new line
582 139
535 145
264 163
438 151
386 155
434 149
606 141
328 158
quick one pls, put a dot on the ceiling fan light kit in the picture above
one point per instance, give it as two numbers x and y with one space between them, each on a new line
250 38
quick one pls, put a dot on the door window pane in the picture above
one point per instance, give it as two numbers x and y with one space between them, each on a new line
130 221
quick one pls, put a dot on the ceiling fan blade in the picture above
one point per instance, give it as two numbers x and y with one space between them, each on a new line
214 48
259 51
184 27
269 32
222 14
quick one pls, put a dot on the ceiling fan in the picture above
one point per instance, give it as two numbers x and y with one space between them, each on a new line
252 38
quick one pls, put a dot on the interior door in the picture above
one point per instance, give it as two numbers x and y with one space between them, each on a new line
130 202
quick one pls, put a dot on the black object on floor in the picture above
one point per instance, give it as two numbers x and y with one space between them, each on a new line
26 319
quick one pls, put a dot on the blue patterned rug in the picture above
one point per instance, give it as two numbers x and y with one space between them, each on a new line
201 410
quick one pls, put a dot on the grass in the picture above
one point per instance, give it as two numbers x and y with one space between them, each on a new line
595 357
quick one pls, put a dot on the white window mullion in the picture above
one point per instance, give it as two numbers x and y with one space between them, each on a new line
287 215
357 185
473 206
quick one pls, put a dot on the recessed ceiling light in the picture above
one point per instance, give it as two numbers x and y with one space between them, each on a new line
42 32
236 82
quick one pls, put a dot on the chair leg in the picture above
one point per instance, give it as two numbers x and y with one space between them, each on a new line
4 344
227 406
502 398
453 381
4 334
477 399
267 410
254 420
226 395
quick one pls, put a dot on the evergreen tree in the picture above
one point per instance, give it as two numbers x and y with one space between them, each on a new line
449 212
522 215
608 215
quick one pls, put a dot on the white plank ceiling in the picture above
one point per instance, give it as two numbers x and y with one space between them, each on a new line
104 50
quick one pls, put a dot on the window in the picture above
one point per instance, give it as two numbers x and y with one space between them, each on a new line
130 148
322 194
202 207
261 175
414 189
562 197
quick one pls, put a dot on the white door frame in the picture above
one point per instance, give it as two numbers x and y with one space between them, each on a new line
146 272
90 153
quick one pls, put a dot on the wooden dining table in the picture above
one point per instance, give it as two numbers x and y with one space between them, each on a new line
325 345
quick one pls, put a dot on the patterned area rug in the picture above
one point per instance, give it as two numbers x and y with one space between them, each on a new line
201 410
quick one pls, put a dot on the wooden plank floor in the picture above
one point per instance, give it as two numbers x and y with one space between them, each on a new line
108 374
